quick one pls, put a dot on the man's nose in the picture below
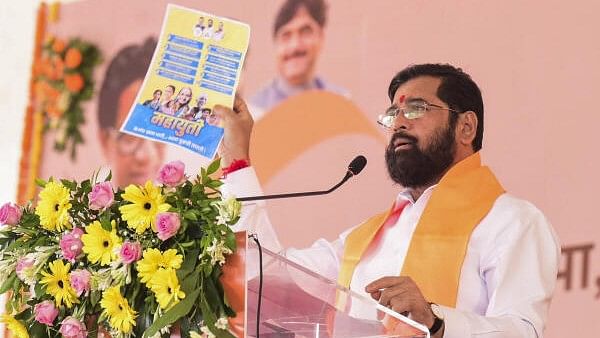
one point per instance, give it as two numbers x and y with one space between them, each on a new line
295 42
401 122
145 151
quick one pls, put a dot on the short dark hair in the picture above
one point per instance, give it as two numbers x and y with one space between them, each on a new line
457 90
130 64
172 87
157 91
316 8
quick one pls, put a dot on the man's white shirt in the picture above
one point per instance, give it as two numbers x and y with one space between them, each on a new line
507 278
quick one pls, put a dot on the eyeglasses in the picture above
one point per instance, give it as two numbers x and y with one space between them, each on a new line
411 111
129 144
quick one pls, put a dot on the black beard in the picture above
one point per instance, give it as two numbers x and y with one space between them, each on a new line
413 167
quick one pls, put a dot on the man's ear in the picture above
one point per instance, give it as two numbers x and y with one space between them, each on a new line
466 128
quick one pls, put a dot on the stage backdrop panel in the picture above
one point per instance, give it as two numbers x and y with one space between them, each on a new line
536 64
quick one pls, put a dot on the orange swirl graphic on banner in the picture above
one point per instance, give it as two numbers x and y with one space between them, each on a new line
302 122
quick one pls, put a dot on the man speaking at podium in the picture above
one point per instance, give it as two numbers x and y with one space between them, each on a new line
454 251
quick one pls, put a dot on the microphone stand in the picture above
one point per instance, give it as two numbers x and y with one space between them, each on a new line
298 194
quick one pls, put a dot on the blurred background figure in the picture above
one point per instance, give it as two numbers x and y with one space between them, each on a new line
133 160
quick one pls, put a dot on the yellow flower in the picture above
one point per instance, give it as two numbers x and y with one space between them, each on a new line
120 315
99 244
53 207
165 286
58 284
153 260
146 203
171 260
15 326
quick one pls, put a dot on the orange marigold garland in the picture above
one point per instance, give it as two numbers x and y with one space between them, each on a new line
62 82
28 165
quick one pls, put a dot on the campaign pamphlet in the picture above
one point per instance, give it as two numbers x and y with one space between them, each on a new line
196 65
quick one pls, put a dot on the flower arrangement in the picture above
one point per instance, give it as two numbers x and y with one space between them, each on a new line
87 259
62 81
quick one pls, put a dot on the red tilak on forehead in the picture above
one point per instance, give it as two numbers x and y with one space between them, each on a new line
401 99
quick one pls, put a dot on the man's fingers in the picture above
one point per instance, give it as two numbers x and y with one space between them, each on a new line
382 283
240 110
400 305
389 294
222 111
239 105
376 295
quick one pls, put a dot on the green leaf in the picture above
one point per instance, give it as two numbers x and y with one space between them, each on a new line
40 182
37 329
213 167
8 283
230 240
213 296
86 185
94 297
191 215
171 316
69 184
105 222
39 289
109 177
189 263
210 318
24 315
214 184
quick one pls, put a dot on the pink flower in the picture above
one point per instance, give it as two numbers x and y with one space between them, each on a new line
10 214
80 281
24 268
172 173
167 224
71 245
101 196
72 328
45 312
130 252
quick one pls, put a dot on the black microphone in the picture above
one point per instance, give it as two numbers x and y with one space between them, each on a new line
354 168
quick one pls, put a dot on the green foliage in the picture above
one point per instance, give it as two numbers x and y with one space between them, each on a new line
203 241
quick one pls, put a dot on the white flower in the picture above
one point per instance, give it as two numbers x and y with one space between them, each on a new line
222 220
207 332
101 279
221 323
217 251
229 210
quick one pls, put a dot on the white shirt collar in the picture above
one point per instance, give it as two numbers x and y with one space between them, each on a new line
405 195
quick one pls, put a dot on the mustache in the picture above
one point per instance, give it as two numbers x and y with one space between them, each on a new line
295 54
402 135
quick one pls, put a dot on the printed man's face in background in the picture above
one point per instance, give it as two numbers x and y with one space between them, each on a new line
132 160
201 101
297 46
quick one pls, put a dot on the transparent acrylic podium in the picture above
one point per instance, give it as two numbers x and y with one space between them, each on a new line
298 303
